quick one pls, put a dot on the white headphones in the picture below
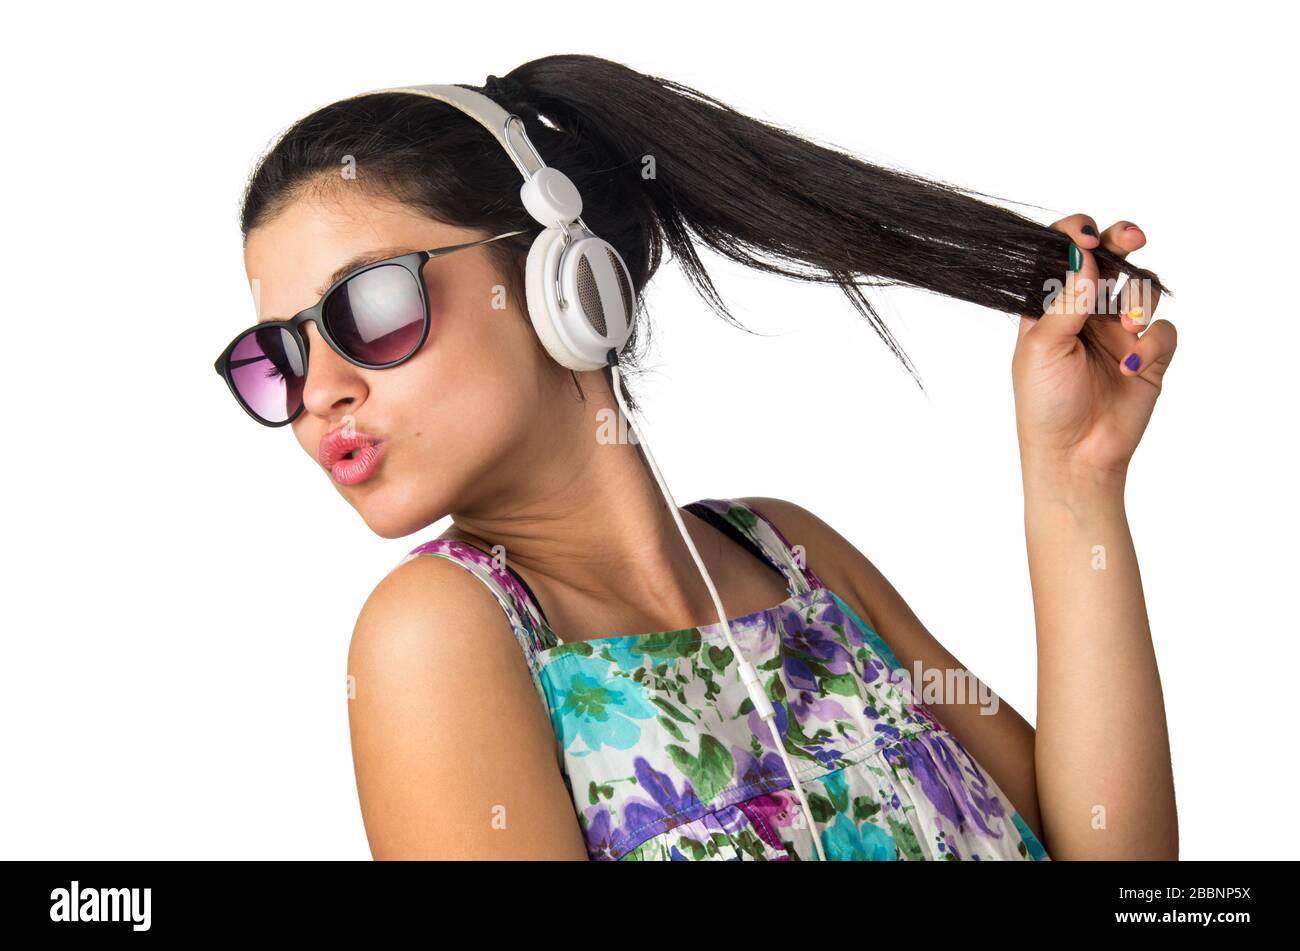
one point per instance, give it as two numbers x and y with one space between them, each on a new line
580 297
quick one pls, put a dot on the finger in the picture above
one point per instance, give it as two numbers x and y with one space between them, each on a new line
1081 228
1076 298
1151 353
1135 305
1079 298
1123 237
1070 308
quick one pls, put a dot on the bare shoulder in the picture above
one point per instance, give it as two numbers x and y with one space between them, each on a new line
852 575
830 555
454 753
429 611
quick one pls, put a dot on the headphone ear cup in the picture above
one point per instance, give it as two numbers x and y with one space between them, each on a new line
540 310
598 294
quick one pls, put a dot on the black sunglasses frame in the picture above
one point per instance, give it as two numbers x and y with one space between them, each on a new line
413 261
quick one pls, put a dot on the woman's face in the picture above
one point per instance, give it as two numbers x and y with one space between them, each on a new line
458 417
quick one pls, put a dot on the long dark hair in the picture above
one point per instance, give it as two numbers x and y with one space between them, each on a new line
661 163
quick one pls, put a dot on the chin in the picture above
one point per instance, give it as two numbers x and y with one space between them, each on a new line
384 531
388 524
394 514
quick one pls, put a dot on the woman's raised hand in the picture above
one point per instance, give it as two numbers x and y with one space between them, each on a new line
1081 417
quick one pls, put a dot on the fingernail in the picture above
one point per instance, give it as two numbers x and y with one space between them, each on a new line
1076 257
1089 230
1133 361
1137 315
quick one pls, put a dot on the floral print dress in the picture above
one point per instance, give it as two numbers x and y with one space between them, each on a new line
666 759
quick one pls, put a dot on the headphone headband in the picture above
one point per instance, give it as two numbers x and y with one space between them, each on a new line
506 127
579 291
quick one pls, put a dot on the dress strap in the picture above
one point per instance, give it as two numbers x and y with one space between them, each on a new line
762 534
523 593
521 609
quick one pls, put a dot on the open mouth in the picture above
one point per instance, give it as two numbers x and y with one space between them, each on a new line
356 453
351 447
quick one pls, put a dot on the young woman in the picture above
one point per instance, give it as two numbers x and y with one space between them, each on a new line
554 681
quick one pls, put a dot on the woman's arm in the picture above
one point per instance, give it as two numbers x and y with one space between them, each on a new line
1105 780
454 754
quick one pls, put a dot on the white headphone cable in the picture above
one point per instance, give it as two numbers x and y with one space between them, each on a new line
747 672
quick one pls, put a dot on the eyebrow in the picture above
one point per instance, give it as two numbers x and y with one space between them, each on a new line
361 260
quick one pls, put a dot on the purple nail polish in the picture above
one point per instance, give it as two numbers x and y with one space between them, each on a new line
1132 361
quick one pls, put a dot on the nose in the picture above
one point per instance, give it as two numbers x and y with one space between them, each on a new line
332 383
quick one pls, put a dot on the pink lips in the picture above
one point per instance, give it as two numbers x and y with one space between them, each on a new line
334 448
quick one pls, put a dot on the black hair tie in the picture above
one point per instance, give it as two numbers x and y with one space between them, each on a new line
504 91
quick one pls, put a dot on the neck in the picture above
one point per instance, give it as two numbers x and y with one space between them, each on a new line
585 524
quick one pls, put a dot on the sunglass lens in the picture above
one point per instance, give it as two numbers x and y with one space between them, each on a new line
378 316
267 369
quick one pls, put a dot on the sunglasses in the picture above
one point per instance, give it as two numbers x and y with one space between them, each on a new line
375 317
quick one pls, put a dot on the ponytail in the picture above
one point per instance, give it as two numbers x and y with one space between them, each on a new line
661 164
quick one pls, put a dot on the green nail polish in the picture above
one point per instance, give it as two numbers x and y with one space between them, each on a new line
1076 258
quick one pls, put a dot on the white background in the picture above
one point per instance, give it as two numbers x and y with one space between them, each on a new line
169 693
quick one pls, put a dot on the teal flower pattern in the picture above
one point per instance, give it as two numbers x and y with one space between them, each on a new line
590 708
